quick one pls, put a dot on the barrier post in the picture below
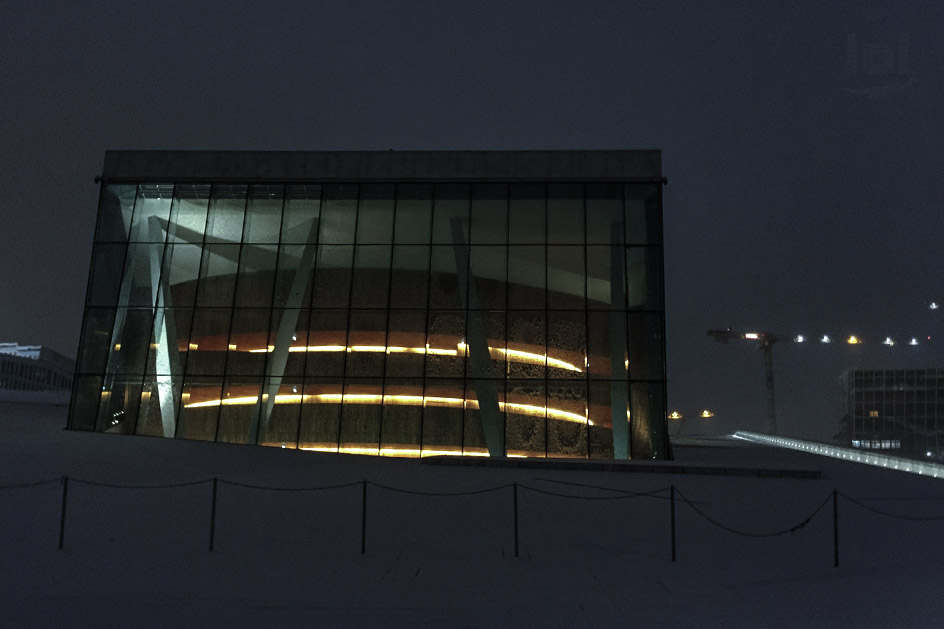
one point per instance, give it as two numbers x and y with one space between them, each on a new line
514 489
835 530
364 516
62 517
213 515
672 517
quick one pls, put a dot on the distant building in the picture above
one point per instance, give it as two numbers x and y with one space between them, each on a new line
895 410
485 303
33 373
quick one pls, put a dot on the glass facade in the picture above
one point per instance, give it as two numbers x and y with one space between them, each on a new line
396 318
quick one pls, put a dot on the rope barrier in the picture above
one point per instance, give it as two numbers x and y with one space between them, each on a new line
650 494
912 518
267 488
117 486
576 497
748 533
39 483
437 493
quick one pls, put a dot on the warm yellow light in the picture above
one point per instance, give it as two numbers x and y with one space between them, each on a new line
232 346
752 336
117 347
193 346
675 415
853 340
707 413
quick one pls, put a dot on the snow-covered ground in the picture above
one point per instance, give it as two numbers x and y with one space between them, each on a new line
139 557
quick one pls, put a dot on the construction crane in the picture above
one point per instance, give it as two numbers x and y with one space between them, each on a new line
765 342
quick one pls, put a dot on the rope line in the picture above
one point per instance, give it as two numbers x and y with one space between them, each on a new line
267 488
749 533
653 493
33 484
438 493
912 518
117 486
560 495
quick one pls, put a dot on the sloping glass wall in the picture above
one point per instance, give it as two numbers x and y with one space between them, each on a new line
398 319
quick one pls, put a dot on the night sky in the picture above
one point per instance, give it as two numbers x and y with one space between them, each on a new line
802 146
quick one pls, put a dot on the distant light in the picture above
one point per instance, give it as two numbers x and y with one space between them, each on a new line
913 341
752 336
799 338
929 453
707 413
888 341
933 306
675 415
852 340
825 339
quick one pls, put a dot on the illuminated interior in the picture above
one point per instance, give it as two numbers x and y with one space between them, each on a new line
395 319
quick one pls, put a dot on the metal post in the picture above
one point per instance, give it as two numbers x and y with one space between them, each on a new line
835 530
672 517
514 488
213 515
364 516
62 517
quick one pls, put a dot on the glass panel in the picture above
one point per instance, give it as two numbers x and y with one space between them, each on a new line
263 214
332 281
644 277
446 329
473 433
645 346
93 349
643 214
489 214
406 340
600 352
566 344
249 342
105 278
525 424
402 416
414 214
565 278
648 421
371 276
179 272
241 402
118 409
360 415
170 336
601 422
338 214
188 215
327 343
443 416
142 272
444 289
218 276
281 430
115 207
256 273
209 337
527 277
604 212
599 287
149 411
300 217
565 220
451 205
151 210
85 399
566 421
200 409
410 276
527 220
289 272
297 319
129 346
526 337
226 213
375 214
367 340
320 420
488 272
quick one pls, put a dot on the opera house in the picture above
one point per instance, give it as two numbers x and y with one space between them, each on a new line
491 303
